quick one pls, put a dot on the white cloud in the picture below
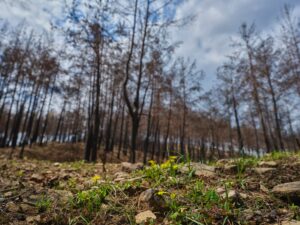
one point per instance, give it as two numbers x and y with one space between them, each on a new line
207 39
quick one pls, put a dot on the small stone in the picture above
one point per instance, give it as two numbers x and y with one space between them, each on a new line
34 197
243 196
104 207
201 166
232 194
37 178
185 169
201 170
264 189
292 222
122 175
145 216
204 173
145 196
8 194
56 164
230 168
12 207
33 219
119 179
222 161
282 211
130 167
263 170
28 209
288 190
268 164
253 186
220 190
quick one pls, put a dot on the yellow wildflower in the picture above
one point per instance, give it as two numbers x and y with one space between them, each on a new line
175 167
152 163
96 178
173 196
166 165
172 157
161 193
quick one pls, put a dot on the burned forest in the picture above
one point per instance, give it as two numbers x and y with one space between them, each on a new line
104 120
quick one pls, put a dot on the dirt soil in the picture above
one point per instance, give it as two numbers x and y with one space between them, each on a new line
34 191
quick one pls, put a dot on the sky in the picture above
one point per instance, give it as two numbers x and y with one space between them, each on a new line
207 39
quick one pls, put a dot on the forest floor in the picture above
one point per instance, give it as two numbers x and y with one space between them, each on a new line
229 191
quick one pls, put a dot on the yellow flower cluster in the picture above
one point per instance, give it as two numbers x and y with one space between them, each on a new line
161 193
95 178
170 163
152 163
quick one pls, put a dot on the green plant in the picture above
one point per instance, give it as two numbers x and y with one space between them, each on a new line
160 173
77 165
259 203
91 199
196 193
43 204
72 183
277 155
295 210
211 198
176 211
78 220
244 163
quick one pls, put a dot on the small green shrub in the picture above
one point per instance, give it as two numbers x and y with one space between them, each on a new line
160 173
91 199
277 155
244 163
43 204
296 211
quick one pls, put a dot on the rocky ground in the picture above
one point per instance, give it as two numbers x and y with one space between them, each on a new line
238 191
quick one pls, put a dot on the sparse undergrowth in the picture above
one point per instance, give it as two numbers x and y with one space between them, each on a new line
41 192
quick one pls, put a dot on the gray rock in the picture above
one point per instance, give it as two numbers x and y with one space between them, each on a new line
204 173
121 176
33 219
8 194
263 170
145 196
289 190
230 168
220 190
263 188
232 194
130 167
25 208
145 216
292 222
268 164
200 169
12 207
37 178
